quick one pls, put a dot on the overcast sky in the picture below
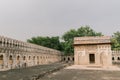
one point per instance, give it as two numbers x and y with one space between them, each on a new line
23 19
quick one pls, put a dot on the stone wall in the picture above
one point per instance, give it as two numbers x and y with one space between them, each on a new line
116 56
18 54
68 58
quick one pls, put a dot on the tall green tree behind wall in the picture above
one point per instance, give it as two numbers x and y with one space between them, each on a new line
116 41
68 37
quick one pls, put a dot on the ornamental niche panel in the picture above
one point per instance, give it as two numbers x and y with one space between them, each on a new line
80 48
91 48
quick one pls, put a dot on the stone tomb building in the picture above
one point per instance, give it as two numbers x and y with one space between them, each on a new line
93 51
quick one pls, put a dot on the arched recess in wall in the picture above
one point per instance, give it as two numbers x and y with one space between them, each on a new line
118 58
25 63
68 58
24 58
73 58
11 59
0 42
40 59
64 59
113 58
33 57
34 60
37 59
18 59
1 59
29 57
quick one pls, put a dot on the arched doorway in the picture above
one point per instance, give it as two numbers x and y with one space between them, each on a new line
29 57
113 58
18 61
34 60
37 60
24 59
33 57
64 59
10 60
118 58
73 58
92 58
1 61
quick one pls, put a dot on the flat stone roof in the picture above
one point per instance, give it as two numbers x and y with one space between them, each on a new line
92 40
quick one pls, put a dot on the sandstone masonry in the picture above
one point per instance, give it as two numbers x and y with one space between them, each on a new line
18 54
93 51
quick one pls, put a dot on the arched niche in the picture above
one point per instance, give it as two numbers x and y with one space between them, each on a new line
11 59
1 59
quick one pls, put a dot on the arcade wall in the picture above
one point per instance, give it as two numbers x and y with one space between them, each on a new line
18 54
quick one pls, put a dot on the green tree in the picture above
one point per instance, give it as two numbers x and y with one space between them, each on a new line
50 42
80 32
87 31
116 41
69 35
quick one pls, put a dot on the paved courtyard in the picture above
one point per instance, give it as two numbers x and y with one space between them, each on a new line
84 74
73 72
30 73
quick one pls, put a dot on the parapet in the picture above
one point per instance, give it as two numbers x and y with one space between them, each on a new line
92 40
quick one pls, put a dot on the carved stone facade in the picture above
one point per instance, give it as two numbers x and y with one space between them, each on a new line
17 54
92 51
68 58
116 56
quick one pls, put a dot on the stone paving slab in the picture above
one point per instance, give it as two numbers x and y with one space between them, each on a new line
108 68
83 74
30 73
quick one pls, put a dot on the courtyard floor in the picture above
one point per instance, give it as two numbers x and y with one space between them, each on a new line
82 73
73 72
30 73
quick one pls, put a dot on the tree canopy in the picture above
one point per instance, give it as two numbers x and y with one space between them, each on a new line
80 32
50 42
116 41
